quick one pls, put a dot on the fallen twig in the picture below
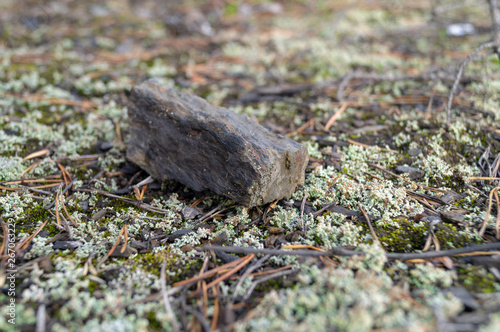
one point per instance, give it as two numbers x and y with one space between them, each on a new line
208 274
226 275
346 252
138 204
335 116
374 235
62 193
246 274
266 278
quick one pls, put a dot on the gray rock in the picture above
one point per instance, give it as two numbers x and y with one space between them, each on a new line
452 216
182 137
67 244
451 197
190 213
413 172
414 152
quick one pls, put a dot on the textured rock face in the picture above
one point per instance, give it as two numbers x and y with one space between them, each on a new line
182 137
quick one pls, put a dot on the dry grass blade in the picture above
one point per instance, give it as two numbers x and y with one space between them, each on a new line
479 253
3 248
25 181
335 116
36 154
225 276
31 167
210 273
125 238
372 231
302 222
142 192
137 193
68 215
264 273
65 174
58 217
487 216
308 124
112 249
302 246
266 278
24 244
247 273
483 178
9 188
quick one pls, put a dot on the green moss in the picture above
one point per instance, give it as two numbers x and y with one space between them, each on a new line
404 236
27 223
450 237
477 279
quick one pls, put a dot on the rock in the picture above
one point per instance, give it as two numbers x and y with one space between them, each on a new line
104 146
139 245
99 214
67 244
451 197
84 205
275 230
452 216
187 248
414 152
178 136
117 252
190 213
178 234
413 172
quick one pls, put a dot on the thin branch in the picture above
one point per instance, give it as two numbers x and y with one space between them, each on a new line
346 252
374 235
266 278
246 274
62 193
302 223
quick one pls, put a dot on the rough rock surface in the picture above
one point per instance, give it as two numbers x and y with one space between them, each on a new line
178 136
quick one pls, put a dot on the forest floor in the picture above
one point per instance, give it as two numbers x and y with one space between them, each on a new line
394 229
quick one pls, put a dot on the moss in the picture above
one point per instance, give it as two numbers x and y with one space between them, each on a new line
403 236
477 279
450 237
27 223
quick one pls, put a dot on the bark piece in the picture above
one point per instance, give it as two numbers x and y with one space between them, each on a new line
178 136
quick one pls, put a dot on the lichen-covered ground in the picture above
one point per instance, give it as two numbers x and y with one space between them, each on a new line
363 84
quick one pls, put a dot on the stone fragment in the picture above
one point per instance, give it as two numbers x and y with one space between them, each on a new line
178 234
453 216
451 197
414 152
117 252
190 213
178 136
414 173
67 245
